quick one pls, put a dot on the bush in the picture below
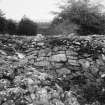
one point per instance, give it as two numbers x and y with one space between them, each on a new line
2 25
11 27
2 22
88 18
27 27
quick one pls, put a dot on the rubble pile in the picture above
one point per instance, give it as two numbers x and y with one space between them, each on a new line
52 71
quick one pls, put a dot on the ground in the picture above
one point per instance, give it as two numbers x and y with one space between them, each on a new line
61 70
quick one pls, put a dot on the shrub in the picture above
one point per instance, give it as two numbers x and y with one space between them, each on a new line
27 27
2 22
11 27
88 18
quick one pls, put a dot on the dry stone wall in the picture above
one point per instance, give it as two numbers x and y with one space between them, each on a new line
52 70
72 56
77 63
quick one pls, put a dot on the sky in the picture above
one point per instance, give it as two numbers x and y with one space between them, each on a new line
37 10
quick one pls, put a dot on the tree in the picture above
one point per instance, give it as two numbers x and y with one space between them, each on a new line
88 17
2 22
60 26
11 27
27 27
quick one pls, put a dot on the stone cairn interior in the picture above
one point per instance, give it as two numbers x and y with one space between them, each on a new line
67 70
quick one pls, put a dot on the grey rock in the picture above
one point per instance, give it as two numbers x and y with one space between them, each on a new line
84 63
59 58
73 62
57 65
42 63
63 71
70 52
72 57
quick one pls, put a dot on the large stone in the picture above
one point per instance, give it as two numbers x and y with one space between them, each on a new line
40 58
59 58
20 55
71 53
94 68
2 52
84 63
41 53
74 67
56 65
61 52
103 57
73 62
39 37
42 63
63 71
55 49
40 44
72 57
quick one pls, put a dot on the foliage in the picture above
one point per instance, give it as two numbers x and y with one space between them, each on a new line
24 27
27 27
88 17
11 27
2 22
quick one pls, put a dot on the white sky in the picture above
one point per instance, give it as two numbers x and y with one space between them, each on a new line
37 10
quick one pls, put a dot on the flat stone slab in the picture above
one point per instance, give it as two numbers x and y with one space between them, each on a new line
59 58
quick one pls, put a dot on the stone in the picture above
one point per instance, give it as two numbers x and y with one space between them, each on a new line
40 58
100 62
57 65
2 52
103 76
103 57
84 63
70 35
41 53
86 55
64 48
39 37
49 53
42 63
71 53
89 75
31 61
43 76
59 58
13 58
30 81
73 67
20 55
34 53
94 68
61 52
73 62
40 44
72 57
63 71
57 102
55 49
